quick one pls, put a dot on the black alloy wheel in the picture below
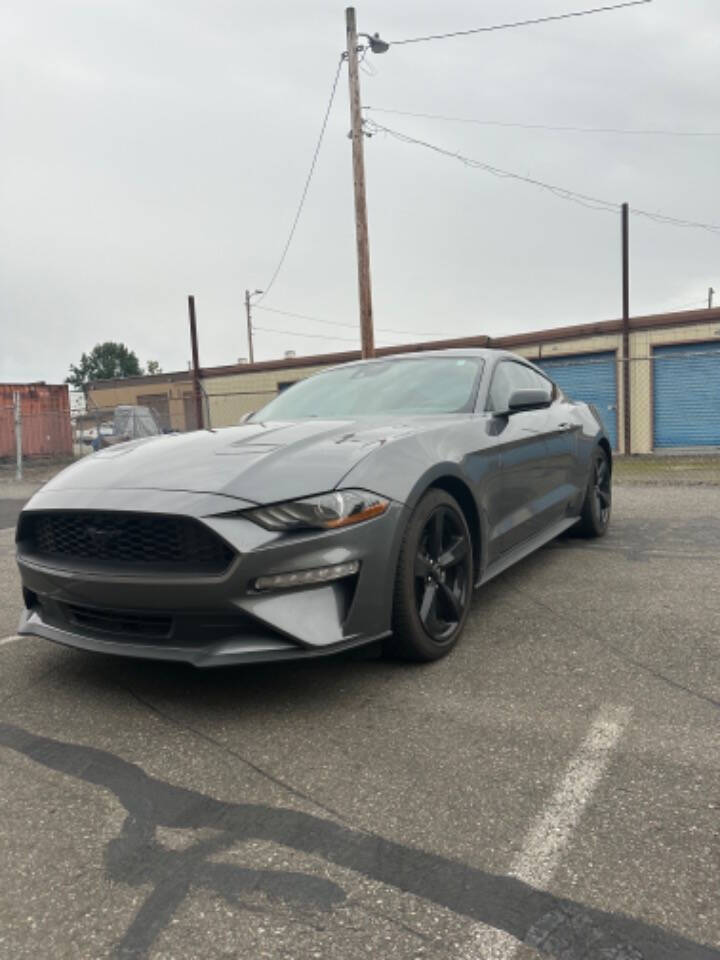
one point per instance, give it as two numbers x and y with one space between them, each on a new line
595 515
434 580
602 491
441 584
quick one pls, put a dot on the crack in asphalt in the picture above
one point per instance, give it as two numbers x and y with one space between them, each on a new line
277 781
557 927
618 651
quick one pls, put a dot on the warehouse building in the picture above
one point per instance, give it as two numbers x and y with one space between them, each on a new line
674 379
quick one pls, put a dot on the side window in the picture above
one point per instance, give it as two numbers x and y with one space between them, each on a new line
505 381
509 377
536 381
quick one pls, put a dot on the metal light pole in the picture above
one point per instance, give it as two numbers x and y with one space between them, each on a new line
248 298
367 336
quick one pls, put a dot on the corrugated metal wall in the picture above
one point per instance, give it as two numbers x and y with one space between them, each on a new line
46 429
686 395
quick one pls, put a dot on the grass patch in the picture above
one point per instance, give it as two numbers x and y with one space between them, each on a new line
668 469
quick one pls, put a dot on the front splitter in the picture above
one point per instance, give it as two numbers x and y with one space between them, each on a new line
227 652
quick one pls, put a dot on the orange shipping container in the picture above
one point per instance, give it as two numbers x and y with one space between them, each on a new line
46 428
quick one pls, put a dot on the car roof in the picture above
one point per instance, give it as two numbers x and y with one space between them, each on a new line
486 353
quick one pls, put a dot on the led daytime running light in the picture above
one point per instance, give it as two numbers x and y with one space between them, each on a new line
301 578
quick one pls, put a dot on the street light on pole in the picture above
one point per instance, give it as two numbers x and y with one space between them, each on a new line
248 298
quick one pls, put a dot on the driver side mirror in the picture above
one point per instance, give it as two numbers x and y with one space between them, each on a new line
534 399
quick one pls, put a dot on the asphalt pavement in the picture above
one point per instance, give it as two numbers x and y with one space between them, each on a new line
9 510
552 789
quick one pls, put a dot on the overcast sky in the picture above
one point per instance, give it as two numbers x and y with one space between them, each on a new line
151 150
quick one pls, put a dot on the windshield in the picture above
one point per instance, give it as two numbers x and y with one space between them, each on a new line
418 386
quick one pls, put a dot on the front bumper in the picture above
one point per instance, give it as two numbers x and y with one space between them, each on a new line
216 620
248 647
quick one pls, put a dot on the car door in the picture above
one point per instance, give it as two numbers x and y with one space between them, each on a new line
560 426
517 493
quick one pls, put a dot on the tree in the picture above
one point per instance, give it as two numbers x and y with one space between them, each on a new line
153 367
105 361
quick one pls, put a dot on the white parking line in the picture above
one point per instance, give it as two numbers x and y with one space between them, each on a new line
8 640
548 835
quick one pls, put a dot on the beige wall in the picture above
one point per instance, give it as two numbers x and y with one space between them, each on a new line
230 396
107 398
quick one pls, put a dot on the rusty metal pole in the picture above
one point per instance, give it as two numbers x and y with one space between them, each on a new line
367 336
17 416
627 399
195 364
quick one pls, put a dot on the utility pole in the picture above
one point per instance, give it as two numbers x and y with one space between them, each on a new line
626 325
367 336
251 356
248 298
195 363
711 292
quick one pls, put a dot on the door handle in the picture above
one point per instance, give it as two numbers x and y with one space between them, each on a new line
565 426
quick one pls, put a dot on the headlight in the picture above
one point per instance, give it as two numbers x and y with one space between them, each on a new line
325 512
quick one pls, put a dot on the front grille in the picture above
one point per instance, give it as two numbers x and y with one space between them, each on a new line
120 540
119 623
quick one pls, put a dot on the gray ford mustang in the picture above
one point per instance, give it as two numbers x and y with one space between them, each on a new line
364 503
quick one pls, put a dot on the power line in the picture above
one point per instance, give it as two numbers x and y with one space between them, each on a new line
304 194
521 23
593 203
314 336
323 336
352 326
543 126
331 336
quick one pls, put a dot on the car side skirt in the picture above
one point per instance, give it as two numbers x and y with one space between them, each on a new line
525 549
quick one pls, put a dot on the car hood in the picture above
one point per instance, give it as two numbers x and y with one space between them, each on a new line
256 462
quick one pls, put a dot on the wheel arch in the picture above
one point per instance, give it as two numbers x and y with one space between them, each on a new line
461 492
604 445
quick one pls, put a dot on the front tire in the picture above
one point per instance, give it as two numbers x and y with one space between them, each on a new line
597 505
434 580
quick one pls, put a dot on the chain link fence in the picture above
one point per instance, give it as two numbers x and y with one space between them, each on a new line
671 425
33 431
669 432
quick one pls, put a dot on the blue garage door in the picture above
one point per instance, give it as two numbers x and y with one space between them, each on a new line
686 395
591 378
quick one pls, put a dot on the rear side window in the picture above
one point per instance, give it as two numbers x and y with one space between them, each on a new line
508 377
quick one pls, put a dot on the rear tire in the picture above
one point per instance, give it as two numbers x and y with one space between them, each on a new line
433 582
597 505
